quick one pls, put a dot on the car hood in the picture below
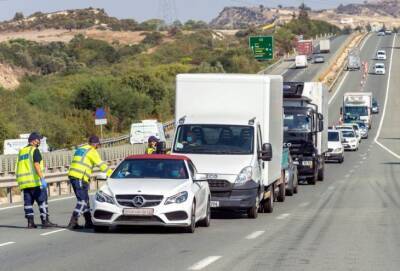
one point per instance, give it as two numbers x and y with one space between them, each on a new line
334 144
220 164
147 186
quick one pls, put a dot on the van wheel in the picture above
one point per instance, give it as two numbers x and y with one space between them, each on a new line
206 221
269 203
253 211
192 227
321 174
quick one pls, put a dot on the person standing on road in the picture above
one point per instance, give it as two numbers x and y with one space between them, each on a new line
84 160
152 145
30 179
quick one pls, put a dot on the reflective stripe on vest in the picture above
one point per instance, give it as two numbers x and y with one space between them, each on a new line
26 174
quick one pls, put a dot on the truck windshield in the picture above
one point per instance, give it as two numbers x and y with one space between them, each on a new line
296 122
214 139
356 110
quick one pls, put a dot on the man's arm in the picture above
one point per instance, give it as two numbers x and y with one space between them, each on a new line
37 158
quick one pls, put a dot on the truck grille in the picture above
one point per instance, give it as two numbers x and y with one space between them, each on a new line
150 200
215 183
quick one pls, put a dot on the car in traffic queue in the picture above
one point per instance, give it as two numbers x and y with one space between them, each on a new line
291 177
379 68
363 129
335 146
353 126
375 106
350 140
381 55
153 190
381 33
319 59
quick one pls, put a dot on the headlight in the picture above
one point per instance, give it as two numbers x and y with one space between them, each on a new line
337 150
103 197
178 198
244 176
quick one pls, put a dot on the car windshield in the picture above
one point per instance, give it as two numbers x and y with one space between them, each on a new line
151 169
296 122
214 139
379 66
374 103
356 110
333 136
361 125
347 133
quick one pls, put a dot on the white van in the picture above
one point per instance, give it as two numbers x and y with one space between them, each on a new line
140 132
229 125
301 61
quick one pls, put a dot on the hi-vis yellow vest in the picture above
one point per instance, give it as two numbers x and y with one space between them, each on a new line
150 150
26 174
85 158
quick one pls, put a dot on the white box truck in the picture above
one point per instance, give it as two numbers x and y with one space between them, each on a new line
301 61
324 46
230 125
306 114
13 146
357 105
141 131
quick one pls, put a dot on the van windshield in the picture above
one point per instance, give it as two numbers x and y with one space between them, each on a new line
333 136
214 139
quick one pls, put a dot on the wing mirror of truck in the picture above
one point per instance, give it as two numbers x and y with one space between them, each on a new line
266 153
199 177
320 122
341 110
101 176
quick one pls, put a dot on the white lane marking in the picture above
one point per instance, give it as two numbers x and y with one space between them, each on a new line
364 158
51 232
385 104
6 244
304 204
282 216
351 170
345 76
205 262
254 235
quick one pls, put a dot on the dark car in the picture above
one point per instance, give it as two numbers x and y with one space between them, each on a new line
375 106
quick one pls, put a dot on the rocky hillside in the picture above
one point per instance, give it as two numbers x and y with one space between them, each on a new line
376 8
241 17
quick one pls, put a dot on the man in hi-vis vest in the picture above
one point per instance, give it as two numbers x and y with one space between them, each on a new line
84 160
30 179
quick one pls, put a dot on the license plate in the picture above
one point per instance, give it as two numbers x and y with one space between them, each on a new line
295 162
307 163
138 211
214 203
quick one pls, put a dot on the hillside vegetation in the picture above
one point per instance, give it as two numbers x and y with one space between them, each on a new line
68 81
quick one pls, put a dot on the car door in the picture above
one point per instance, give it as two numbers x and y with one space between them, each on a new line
198 189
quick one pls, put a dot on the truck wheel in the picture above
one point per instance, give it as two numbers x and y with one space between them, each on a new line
253 211
313 180
321 174
269 203
281 192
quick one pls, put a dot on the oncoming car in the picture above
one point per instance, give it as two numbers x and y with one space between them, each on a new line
381 55
379 68
154 190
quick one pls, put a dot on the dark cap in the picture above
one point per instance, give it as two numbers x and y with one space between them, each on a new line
94 140
34 136
152 139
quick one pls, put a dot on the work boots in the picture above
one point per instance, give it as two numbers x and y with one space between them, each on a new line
31 223
73 224
88 220
46 223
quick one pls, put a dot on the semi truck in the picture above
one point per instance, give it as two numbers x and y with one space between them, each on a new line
324 46
357 105
230 126
353 61
305 127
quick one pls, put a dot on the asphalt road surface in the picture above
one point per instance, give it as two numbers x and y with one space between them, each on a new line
350 221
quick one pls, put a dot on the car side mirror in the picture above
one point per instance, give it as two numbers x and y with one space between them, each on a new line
266 153
199 177
101 176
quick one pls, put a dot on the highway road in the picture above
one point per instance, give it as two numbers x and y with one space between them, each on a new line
349 221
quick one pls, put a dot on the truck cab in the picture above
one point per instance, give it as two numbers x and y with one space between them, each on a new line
357 105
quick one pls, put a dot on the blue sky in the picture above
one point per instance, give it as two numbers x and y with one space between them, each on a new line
144 9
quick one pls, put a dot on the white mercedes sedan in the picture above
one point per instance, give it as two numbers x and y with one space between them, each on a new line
153 190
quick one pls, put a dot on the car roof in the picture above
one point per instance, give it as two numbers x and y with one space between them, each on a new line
157 157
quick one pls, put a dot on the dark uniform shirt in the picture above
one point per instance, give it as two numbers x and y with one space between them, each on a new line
37 156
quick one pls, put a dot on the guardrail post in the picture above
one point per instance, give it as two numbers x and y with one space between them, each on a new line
9 194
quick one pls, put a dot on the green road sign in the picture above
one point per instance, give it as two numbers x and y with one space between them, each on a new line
262 47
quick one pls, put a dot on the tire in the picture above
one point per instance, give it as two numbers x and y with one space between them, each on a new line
295 182
192 227
341 160
269 203
101 229
205 222
321 172
282 190
313 180
253 211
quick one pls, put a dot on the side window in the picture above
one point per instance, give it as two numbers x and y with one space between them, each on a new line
191 168
259 138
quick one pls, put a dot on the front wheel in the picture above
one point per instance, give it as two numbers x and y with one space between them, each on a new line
269 202
192 227
253 211
207 220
